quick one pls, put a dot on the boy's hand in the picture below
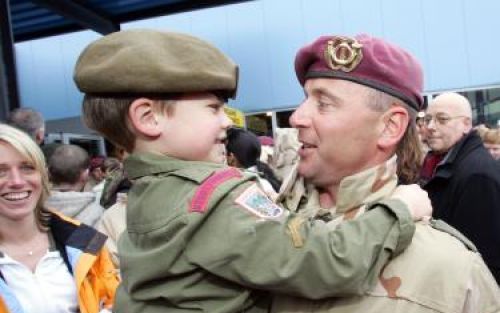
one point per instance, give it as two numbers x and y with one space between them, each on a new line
416 199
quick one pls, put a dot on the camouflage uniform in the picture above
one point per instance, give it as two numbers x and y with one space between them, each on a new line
285 154
202 237
437 273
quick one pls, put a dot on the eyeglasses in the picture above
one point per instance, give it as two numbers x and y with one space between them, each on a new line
441 119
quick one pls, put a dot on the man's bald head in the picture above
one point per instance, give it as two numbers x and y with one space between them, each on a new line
454 103
449 118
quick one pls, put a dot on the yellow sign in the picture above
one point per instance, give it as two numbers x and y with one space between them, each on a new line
236 116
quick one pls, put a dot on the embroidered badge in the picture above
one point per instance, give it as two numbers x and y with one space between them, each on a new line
258 203
343 53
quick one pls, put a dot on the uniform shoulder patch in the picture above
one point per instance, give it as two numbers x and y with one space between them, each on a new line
254 200
199 202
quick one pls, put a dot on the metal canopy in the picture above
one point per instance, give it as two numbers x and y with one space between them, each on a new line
22 20
32 19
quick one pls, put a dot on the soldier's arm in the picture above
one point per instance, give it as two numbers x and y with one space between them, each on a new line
268 249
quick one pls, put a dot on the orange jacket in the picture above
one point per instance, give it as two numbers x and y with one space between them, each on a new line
84 252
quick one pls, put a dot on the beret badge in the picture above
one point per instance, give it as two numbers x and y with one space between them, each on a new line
343 53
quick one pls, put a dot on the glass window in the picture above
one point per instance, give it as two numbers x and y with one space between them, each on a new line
260 124
485 105
283 119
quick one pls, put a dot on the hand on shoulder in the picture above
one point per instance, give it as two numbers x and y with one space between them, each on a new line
416 199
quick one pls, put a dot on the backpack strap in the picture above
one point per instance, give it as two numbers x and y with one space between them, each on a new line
64 254
199 202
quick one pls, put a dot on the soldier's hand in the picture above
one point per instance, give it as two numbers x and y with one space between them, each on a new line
416 199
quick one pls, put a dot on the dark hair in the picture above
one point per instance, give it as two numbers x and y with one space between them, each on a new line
246 148
244 145
97 162
67 163
111 164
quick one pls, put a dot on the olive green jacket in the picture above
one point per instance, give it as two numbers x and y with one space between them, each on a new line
440 272
203 242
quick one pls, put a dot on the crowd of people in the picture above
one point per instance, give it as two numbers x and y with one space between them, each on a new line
371 202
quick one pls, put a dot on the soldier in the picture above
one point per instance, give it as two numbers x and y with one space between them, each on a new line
358 134
201 236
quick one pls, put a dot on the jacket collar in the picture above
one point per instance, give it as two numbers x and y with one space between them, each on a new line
368 186
80 236
460 150
354 191
147 164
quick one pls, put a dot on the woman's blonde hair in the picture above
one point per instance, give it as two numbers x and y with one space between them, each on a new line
491 136
28 148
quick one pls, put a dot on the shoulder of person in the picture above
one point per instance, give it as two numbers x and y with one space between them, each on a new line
200 173
444 227
218 184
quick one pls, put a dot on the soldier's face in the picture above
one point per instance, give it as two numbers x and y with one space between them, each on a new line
196 129
336 129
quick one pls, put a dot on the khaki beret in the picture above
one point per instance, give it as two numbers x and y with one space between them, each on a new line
150 62
365 60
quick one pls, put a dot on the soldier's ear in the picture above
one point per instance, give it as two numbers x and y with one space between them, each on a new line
144 118
396 120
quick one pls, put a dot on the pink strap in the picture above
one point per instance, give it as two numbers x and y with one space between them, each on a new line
205 190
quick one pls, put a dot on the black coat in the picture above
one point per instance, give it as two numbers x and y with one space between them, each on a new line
465 193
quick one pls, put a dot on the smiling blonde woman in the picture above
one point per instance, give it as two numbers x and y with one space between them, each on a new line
48 263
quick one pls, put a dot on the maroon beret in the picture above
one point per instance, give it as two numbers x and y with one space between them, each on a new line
366 60
266 141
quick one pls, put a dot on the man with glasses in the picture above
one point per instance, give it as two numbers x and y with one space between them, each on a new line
461 177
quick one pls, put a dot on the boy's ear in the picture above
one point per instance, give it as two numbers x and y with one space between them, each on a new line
396 121
144 118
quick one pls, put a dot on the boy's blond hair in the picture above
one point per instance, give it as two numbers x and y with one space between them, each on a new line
109 117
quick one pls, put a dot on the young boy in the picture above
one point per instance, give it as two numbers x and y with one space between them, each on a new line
201 236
